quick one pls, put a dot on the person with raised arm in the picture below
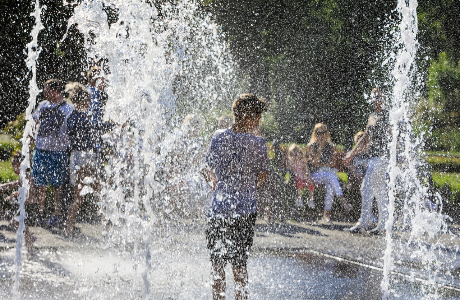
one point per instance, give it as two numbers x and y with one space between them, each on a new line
83 136
238 160
375 140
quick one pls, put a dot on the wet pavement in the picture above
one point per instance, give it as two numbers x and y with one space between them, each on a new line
292 260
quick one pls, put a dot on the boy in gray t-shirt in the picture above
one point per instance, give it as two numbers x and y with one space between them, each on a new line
238 161
50 159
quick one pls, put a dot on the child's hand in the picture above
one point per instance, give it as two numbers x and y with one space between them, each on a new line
12 196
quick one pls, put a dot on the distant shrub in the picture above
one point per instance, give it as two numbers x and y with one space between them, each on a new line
441 163
444 139
6 150
16 128
6 172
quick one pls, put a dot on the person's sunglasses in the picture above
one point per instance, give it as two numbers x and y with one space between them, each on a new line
321 132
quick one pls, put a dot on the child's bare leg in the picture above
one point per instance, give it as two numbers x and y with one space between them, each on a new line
73 210
218 284
29 238
57 200
41 197
299 198
240 275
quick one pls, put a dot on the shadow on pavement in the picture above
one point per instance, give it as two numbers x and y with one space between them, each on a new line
333 226
288 230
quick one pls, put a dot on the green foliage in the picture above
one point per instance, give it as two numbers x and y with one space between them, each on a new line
438 28
443 153
439 113
314 59
7 149
444 139
16 127
453 179
444 89
448 185
442 163
6 172
343 177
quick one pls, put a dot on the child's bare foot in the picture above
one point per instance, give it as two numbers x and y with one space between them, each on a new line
327 216
311 203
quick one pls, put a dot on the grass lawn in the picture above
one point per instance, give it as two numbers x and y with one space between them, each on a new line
442 153
438 159
6 172
453 179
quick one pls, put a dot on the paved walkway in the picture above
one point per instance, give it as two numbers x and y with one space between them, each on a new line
90 255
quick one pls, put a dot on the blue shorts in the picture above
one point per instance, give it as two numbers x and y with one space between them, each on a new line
49 167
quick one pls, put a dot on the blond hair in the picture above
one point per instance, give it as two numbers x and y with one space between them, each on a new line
357 136
313 135
294 148
92 72
79 94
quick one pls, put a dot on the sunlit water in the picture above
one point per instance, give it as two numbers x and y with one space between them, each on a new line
181 272
148 245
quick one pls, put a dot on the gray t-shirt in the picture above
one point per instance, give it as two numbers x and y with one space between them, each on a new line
237 159
59 142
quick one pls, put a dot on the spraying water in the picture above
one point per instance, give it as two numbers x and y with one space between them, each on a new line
150 57
32 55
162 65
405 187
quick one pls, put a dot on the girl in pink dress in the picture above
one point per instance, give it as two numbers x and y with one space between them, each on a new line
299 166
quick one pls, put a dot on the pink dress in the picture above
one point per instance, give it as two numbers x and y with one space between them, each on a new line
300 169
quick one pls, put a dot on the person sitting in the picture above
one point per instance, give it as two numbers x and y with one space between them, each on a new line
50 159
83 135
16 161
298 164
321 154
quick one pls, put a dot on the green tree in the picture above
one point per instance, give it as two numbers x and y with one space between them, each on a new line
313 58
439 113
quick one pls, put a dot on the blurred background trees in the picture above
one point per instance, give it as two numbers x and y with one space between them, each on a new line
314 61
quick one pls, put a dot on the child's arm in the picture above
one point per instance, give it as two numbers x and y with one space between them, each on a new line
360 146
12 196
261 177
209 177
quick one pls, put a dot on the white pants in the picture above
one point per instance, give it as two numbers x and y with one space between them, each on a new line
81 159
331 181
375 185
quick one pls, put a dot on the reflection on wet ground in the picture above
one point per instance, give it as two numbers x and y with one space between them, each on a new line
288 261
285 229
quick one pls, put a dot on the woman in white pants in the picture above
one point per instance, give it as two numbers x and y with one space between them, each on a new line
321 154
376 139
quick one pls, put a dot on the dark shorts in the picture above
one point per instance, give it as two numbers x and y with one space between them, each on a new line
49 167
230 239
